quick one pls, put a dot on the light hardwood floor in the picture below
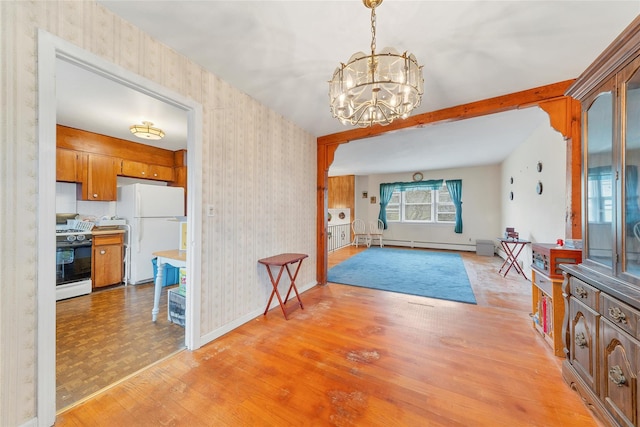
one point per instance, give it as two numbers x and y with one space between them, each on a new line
360 357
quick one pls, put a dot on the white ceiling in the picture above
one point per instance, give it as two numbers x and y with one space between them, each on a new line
282 53
88 101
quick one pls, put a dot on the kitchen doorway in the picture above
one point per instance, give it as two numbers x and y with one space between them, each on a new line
51 48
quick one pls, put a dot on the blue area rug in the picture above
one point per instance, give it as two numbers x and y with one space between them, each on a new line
425 273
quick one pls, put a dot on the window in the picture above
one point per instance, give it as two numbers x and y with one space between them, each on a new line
418 205
600 195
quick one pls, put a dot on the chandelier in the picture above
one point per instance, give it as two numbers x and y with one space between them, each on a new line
146 131
377 88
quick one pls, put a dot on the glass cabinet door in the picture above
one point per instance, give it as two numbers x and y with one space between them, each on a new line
631 141
600 179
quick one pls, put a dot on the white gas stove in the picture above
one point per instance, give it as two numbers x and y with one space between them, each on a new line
73 262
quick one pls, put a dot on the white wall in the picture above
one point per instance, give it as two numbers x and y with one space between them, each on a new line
487 209
538 218
259 171
67 199
480 209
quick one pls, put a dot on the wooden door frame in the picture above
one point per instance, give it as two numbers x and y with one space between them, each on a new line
564 115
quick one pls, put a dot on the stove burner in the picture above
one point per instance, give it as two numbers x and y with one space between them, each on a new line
73 235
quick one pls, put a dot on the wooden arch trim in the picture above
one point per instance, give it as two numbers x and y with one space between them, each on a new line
564 114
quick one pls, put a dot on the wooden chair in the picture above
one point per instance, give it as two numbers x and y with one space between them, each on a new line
375 232
359 232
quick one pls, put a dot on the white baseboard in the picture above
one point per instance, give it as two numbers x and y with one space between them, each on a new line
33 422
430 245
217 333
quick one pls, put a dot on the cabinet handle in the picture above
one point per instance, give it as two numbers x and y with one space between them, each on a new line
581 340
95 195
616 376
617 315
155 174
143 172
581 292
102 252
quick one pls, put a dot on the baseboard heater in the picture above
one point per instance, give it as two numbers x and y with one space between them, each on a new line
430 245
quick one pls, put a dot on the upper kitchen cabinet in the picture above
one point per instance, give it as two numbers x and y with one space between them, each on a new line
100 178
95 161
146 171
68 163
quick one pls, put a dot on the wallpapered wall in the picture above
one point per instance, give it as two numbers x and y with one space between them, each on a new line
258 172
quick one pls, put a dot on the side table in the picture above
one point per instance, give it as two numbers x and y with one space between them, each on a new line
512 247
283 261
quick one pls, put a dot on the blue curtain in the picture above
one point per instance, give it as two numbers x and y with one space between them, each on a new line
455 190
386 191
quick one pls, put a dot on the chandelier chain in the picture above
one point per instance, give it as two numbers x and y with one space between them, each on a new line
373 29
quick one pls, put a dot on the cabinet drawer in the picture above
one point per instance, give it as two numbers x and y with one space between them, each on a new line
620 314
586 294
110 239
583 324
543 282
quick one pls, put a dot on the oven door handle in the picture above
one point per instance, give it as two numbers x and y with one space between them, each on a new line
70 245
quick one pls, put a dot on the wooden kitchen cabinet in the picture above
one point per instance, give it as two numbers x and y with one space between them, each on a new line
68 163
100 159
107 259
146 171
100 178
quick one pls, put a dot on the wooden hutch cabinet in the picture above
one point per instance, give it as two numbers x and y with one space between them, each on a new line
602 295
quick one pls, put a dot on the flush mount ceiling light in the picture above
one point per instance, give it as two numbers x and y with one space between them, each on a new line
146 131
377 88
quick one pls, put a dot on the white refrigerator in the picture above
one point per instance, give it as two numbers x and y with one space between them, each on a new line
152 213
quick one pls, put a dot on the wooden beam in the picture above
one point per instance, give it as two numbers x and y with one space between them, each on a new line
564 115
325 158
525 98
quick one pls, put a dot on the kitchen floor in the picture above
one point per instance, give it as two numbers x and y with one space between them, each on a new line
105 336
